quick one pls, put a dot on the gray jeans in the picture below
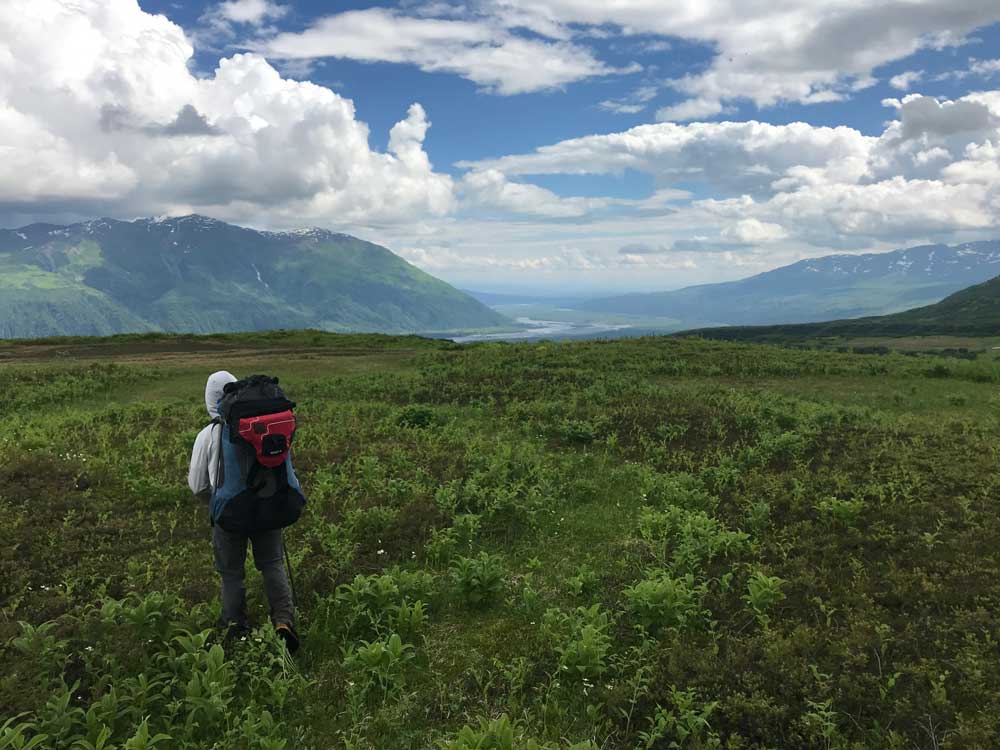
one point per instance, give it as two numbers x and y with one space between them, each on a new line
230 560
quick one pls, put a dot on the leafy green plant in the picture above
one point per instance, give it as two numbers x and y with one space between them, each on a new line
370 605
763 592
478 580
379 663
684 725
680 490
661 601
466 527
143 740
409 619
20 735
844 512
530 598
442 545
41 645
583 582
581 641
821 723
686 540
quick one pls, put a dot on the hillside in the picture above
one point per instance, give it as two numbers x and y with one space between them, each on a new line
195 274
827 288
971 312
623 545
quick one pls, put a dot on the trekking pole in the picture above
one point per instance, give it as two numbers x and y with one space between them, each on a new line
288 566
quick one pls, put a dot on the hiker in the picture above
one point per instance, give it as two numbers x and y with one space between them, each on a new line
252 491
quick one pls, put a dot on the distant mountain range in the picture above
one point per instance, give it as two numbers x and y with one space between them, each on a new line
971 312
831 287
195 274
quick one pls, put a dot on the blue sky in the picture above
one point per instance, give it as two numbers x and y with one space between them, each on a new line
548 145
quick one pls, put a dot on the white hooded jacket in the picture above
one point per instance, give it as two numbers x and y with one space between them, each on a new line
203 473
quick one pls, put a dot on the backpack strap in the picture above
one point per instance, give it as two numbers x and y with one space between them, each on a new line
220 465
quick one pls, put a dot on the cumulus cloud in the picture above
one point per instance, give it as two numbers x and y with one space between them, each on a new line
479 50
930 134
931 173
99 109
189 121
753 231
773 52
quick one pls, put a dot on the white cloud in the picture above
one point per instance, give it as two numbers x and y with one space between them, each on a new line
632 103
698 108
932 174
753 231
490 189
478 50
728 156
893 209
785 51
621 108
985 68
99 111
251 11
565 259
930 134
904 81
219 24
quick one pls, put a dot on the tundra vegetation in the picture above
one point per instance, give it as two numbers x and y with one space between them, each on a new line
637 544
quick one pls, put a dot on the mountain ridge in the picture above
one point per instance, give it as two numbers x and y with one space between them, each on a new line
974 311
825 288
196 274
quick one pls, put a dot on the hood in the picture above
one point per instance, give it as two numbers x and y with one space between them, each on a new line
213 390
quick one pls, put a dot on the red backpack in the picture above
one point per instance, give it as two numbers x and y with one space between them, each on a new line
258 414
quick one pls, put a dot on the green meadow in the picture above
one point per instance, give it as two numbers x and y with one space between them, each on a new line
634 544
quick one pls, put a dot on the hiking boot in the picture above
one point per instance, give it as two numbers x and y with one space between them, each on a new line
289 636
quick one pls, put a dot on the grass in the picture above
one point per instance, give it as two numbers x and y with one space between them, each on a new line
22 277
645 543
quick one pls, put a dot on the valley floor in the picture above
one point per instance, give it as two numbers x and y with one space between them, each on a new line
644 543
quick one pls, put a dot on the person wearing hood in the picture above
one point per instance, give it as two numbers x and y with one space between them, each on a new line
230 548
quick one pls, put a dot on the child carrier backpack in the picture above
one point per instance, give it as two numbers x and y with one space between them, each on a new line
257 488
259 415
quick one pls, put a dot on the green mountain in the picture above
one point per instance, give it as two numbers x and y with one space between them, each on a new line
971 312
827 288
195 274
